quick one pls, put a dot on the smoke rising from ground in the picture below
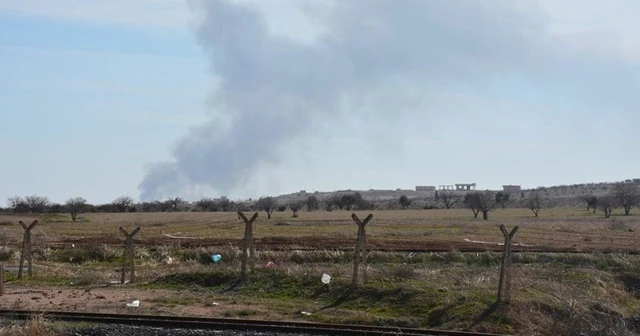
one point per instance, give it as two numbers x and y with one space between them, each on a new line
272 89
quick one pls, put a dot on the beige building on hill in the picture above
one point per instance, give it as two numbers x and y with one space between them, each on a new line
512 189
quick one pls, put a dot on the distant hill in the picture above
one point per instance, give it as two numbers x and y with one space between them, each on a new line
562 195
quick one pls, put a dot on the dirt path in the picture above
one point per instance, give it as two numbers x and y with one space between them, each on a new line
114 299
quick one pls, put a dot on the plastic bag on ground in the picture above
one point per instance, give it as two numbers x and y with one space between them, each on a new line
326 278
134 304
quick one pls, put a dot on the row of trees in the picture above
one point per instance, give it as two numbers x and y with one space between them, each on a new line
78 205
624 195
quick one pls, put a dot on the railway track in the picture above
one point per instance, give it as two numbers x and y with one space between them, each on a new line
201 323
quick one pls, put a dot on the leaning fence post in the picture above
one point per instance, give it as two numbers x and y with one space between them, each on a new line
26 248
1 279
248 250
361 249
128 255
504 285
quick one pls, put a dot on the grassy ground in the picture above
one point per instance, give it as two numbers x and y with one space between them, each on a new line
553 293
556 228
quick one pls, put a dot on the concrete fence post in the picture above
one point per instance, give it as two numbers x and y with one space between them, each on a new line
360 250
128 255
504 285
248 250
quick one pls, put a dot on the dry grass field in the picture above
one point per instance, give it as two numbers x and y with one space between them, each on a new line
427 268
419 230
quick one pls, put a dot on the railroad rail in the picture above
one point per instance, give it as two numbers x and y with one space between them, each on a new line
203 323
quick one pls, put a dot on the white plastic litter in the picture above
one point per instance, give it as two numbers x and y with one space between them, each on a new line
326 278
305 313
134 304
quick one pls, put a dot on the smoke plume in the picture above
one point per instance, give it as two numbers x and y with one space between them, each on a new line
271 89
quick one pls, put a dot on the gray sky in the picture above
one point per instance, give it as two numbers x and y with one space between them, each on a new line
250 98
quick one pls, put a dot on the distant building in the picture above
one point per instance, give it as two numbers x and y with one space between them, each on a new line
512 189
636 180
425 188
465 186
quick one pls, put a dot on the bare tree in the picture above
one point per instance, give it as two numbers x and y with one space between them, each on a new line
37 204
472 201
591 201
349 201
17 204
404 201
75 206
241 206
481 202
295 207
502 198
123 203
207 204
312 203
174 204
336 202
268 205
448 198
225 204
627 194
534 203
606 203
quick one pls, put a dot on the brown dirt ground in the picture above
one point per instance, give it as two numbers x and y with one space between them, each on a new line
561 229
114 299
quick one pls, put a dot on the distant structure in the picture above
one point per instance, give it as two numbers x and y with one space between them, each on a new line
425 188
302 193
511 189
458 187
465 186
636 180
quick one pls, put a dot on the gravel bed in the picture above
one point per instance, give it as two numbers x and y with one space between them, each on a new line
120 329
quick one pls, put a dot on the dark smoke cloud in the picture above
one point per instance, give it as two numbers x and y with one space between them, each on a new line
272 89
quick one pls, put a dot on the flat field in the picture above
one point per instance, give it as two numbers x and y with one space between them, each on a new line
574 272
557 229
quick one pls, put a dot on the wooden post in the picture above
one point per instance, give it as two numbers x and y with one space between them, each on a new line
26 248
248 250
128 255
504 285
1 279
361 249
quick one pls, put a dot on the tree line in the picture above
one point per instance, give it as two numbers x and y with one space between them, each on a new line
623 195
77 205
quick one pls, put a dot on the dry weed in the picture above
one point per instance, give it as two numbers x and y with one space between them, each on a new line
36 326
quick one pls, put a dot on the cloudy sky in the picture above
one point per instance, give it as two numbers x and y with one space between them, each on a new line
163 98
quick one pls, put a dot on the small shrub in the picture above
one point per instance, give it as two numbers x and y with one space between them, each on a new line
617 226
87 278
36 326
82 254
404 272
6 254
